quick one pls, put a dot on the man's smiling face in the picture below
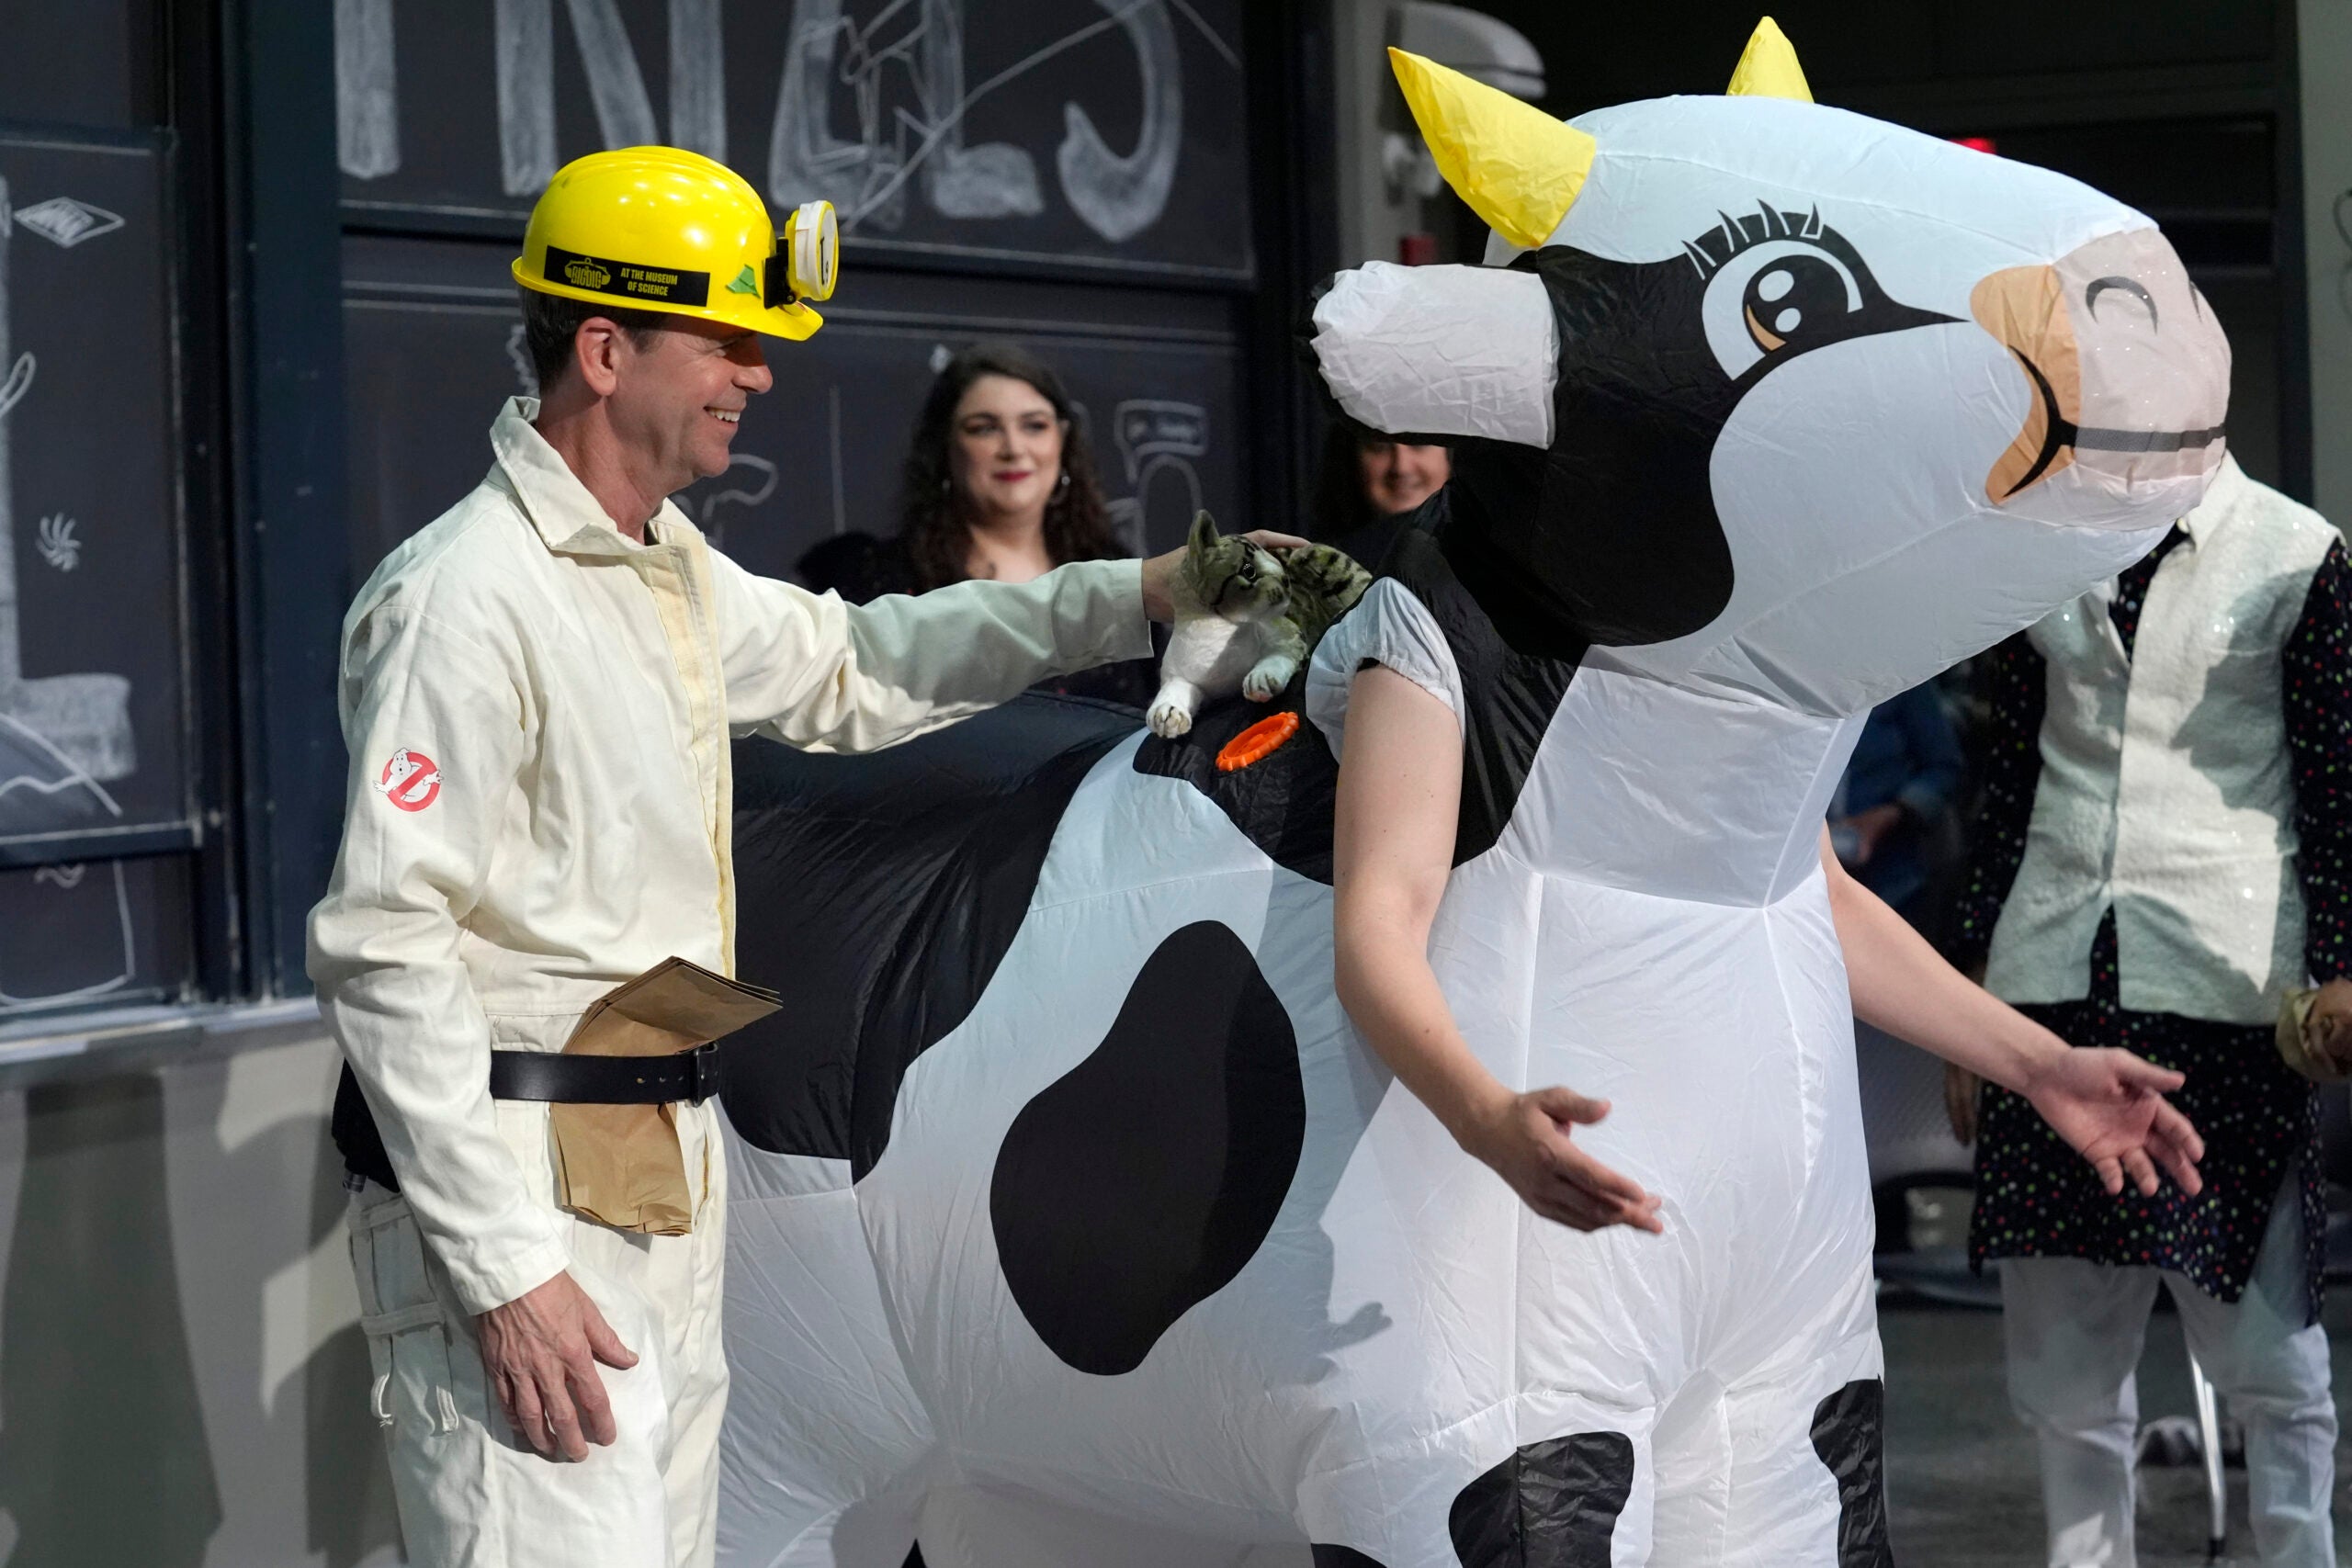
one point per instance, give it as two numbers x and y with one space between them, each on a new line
677 400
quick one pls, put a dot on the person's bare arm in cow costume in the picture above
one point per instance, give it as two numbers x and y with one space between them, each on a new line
1401 781
2107 1104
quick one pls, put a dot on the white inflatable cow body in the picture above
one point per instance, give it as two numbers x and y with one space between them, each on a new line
1105 1222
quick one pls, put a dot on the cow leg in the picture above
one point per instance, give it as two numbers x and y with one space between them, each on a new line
876 1533
826 1448
1579 1498
1782 1469
968 1527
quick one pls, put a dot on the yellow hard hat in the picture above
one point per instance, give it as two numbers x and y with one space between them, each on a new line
663 229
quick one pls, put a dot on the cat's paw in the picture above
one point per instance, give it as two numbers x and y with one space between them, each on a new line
1170 720
1268 678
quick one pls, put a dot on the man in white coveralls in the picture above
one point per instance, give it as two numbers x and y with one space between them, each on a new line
537 692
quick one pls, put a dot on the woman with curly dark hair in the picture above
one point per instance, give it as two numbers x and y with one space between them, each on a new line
1000 484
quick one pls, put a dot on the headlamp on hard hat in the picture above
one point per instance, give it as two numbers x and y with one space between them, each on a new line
807 257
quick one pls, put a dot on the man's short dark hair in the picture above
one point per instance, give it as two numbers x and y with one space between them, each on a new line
552 321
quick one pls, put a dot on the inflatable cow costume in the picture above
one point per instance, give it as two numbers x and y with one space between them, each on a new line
1068 1195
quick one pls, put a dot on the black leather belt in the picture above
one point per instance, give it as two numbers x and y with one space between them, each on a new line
692 1075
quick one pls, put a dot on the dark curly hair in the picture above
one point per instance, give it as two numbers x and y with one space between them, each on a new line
932 530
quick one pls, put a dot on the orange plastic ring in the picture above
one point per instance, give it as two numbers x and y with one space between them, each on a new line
1257 742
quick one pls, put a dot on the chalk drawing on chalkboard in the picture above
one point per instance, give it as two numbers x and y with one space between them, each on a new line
903 71
43 788
526 33
708 510
367 117
93 918
65 222
1157 439
57 542
19 381
518 355
60 734
1117 195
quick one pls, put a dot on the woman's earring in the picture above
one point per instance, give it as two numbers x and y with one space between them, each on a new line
944 484
1061 485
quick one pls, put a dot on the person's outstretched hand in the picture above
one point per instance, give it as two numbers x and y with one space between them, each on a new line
539 1352
1526 1139
1159 572
2110 1106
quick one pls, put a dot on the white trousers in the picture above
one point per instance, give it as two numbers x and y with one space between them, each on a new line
470 1492
2074 1330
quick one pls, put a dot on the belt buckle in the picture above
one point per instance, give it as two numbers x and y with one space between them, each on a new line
704 1072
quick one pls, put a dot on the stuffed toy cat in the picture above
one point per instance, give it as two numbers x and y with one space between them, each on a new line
1246 619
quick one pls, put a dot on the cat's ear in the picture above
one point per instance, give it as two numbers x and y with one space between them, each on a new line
1204 534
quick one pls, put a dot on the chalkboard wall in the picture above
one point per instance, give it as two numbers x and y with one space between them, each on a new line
1072 173
92 714
94 755
1103 134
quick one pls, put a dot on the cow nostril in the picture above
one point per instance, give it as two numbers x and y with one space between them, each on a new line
2099 286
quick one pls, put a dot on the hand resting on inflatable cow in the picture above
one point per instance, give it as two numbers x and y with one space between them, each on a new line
1074 1218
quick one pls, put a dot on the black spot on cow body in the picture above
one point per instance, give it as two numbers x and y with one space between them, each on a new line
1847 1433
1341 1557
1282 802
877 894
1140 1182
1550 1504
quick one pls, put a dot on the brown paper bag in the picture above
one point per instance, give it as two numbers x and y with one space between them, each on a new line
620 1164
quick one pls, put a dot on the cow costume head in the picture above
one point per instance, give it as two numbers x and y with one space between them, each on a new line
1787 398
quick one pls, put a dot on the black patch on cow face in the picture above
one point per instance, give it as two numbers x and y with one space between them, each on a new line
1551 1505
1281 802
1341 1557
1611 536
1139 1183
877 894
1848 1430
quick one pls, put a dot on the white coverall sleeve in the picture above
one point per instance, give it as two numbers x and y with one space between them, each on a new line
823 675
384 941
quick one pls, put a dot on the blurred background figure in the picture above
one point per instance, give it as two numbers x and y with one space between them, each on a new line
1000 483
1891 819
2162 855
1369 485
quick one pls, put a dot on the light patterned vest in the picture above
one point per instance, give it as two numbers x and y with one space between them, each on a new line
2166 790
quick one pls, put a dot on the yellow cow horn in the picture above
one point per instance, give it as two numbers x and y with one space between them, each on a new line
1517 167
1768 67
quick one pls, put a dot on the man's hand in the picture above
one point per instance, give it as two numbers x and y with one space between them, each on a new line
1525 1139
2327 1030
540 1352
1159 572
2110 1106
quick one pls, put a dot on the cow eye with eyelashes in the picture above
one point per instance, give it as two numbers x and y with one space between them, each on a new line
1780 283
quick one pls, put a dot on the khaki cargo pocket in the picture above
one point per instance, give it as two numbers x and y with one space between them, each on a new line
406 1325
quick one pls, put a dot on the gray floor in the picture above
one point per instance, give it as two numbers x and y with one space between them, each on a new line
1960 1478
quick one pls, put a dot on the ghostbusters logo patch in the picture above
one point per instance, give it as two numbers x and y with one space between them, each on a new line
409 781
